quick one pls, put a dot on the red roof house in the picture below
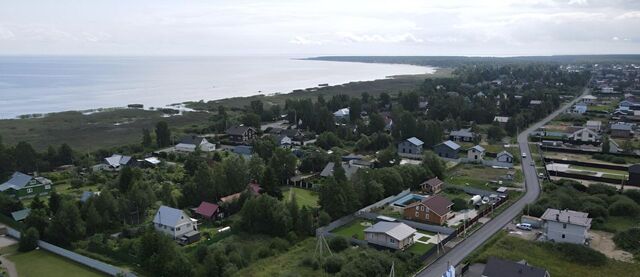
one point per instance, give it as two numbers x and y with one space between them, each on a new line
207 210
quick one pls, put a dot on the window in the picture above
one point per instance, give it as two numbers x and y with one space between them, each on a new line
417 213
47 187
178 229
562 235
29 190
564 226
392 240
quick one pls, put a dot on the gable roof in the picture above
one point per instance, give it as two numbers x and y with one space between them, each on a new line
396 230
169 216
238 130
433 182
192 139
207 209
438 204
342 112
21 214
621 126
117 160
451 144
567 216
462 133
501 119
478 148
504 152
18 180
585 130
415 141
502 268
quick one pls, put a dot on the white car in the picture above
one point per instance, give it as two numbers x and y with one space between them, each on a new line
524 155
524 226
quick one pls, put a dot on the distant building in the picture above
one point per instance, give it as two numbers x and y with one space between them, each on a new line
447 149
341 114
464 135
584 135
504 157
535 102
607 89
620 130
476 153
394 235
566 226
432 186
192 142
580 108
634 175
283 141
208 210
242 134
116 162
589 99
502 268
21 185
501 120
411 146
594 125
175 223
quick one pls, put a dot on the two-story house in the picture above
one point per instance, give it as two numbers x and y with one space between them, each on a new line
21 185
447 149
434 209
411 146
584 135
476 153
566 226
175 223
241 134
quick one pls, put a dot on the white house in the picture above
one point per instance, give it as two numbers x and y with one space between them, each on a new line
579 108
341 114
584 135
504 157
502 120
116 162
191 143
394 235
476 153
283 141
174 222
566 226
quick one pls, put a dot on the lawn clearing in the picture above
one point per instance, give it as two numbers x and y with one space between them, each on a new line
43 263
617 223
353 229
285 264
603 170
536 254
477 176
420 248
304 197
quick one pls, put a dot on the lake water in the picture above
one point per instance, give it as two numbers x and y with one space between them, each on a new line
50 84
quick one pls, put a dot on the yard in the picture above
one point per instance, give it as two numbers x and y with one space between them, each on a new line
355 229
477 176
389 211
537 254
42 263
420 248
304 197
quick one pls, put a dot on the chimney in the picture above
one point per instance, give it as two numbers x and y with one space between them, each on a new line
569 219
558 217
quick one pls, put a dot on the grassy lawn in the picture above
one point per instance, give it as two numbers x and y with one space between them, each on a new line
618 223
304 197
420 248
285 264
603 170
355 228
536 254
476 176
390 212
42 263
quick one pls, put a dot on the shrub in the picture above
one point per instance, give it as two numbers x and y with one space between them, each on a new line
310 262
628 240
459 204
29 240
333 264
338 244
624 207
601 189
633 194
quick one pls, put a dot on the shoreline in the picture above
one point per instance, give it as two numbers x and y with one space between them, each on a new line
187 106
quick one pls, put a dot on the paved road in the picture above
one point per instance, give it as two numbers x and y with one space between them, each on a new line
464 248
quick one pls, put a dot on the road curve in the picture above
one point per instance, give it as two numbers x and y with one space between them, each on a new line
464 248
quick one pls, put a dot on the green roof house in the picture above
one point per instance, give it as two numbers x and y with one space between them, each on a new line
25 186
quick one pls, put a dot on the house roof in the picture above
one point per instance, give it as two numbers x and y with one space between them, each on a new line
152 160
502 268
433 182
21 214
462 133
451 144
342 112
621 126
590 97
634 168
501 119
18 180
117 160
567 216
349 169
478 148
438 204
169 216
192 139
88 194
231 198
504 152
535 102
594 123
396 230
207 209
238 130
415 141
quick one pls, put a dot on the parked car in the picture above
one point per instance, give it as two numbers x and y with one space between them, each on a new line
524 226
524 155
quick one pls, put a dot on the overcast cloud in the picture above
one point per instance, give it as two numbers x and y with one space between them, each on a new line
333 27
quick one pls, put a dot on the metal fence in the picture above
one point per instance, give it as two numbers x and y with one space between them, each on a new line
92 263
474 191
613 181
465 225
588 164
385 201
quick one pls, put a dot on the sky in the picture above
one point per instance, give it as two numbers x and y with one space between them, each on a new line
309 28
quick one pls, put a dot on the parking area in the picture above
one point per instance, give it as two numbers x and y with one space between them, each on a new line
523 234
460 216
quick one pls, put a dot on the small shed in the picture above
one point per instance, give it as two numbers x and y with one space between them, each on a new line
634 175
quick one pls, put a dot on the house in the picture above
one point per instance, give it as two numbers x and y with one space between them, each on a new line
634 175
283 141
476 153
341 114
535 102
584 135
589 99
116 162
464 135
579 108
208 210
435 210
501 120
192 142
412 146
86 195
447 149
21 185
176 223
502 268
253 189
394 235
432 186
20 215
350 168
594 125
566 226
149 162
607 89
620 130
504 157
241 134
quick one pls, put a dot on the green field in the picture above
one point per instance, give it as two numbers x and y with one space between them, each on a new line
420 248
304 197
476 176
38 263
617 223
355 228
285 264
536 254
603 170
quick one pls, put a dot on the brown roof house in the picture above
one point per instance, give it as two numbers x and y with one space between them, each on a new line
432 186
241 133
435 210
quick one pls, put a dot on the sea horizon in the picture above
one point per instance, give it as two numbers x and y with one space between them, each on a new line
41 84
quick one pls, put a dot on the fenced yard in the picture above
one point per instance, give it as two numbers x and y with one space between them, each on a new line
355 229
44 263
